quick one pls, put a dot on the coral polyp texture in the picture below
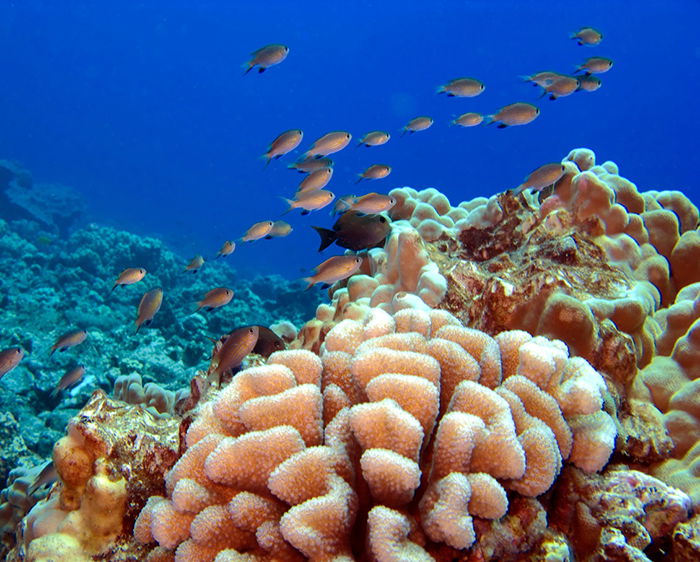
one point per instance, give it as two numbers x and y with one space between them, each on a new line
402 431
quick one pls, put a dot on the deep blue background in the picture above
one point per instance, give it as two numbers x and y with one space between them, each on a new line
142 107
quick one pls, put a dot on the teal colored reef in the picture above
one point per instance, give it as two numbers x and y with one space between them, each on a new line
510 378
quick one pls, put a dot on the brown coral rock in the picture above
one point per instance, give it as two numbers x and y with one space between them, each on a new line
114 457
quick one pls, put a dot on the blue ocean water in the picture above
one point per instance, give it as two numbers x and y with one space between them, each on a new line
143 108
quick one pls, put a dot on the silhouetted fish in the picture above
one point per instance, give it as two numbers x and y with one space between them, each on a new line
355 231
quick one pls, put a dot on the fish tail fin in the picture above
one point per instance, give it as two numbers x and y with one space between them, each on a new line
53 349
440 90
266 157
138 327
114 287
310 280
327 237
248 66
525 78
360 178
404 131
289 202
488 119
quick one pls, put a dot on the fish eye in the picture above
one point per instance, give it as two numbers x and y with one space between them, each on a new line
382 219
347 135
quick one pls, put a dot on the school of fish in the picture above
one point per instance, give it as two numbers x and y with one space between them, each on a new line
361 224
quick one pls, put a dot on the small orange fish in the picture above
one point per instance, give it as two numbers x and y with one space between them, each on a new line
280 229
375 172
71 377
265 57
227 249
317 179
237 345
70 339
372 203
195 265
334 269
470 119
283 144
310 201
129 276
375 138
417 124
462 88
9 359
589 83
257 231
542 79
519 113
215 298
311 164
343 204
148 307
329 144
541 177
587 36
561 87
595 65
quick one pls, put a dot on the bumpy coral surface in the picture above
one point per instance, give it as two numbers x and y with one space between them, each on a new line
403 431
111 456
589 264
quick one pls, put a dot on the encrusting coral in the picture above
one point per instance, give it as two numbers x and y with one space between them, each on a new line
112 453
407 425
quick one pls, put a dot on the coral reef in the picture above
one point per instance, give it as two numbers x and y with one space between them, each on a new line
51 284
303 453
457 399
56 207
